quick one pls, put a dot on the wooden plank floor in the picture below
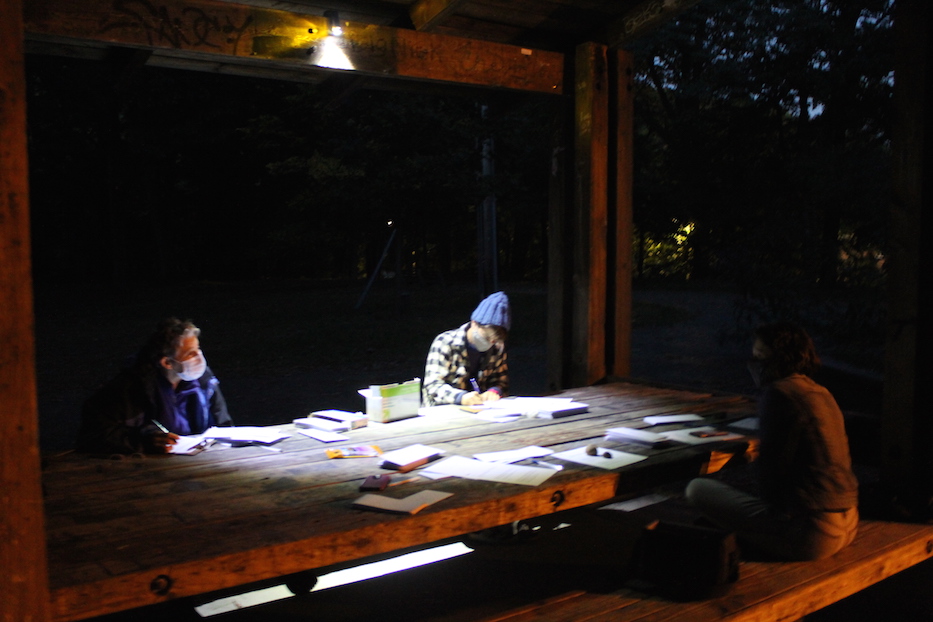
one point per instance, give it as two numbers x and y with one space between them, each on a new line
766 591
133 532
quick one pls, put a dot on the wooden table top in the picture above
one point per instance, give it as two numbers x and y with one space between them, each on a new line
137 531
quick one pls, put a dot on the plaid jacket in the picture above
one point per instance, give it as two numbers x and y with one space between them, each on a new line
446 377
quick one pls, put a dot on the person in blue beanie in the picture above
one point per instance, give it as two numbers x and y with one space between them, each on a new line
469 365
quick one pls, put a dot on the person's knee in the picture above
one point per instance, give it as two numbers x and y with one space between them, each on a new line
697 490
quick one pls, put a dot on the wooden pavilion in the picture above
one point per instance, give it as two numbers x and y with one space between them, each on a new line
569 49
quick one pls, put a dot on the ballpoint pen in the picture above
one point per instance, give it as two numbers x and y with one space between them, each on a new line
475 384
160 426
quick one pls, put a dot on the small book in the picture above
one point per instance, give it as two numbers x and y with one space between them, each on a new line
353 420
411 504
408 458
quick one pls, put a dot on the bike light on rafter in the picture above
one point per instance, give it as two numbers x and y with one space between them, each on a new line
333 23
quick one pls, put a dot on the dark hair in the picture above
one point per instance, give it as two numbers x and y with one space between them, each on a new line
792 349
166 337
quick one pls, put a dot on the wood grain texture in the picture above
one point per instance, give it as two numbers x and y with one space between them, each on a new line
232 516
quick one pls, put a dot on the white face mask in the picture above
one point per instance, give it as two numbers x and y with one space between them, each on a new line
193 368
480 342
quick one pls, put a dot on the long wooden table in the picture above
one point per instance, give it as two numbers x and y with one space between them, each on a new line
138 531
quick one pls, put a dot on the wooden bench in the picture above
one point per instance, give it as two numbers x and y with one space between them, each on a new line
766 591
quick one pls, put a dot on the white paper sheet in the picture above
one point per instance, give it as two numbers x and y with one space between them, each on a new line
663 419
458 466
514 455
623 434
324 436
245 434
616 459
190 445
412 453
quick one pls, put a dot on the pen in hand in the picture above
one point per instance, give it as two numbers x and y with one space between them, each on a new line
475 385
170 438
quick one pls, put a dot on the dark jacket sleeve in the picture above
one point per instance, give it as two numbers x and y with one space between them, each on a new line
113 418
219 413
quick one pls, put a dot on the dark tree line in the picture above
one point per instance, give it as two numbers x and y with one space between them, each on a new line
762 148
166 174
765 126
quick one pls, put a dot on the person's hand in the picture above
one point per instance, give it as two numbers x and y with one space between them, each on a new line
472 399
490 396
157 442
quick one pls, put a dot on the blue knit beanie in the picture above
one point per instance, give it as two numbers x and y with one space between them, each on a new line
495 310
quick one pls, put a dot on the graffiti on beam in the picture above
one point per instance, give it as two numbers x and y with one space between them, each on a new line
651 13
186 28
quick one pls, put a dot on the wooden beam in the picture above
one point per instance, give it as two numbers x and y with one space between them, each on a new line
427 14
643 18
22 526
210 30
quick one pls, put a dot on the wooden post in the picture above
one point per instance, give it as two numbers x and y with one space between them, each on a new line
907 427
589 219
620 266
25 588
590 245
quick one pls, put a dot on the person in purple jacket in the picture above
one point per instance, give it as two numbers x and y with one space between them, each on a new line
168 390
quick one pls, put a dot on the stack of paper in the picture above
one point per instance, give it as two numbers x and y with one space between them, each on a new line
624 435
352 420
318 423
410 457
543 407
245 435
458 466
605 458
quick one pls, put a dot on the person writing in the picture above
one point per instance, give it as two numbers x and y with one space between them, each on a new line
808 503
168 390
469 365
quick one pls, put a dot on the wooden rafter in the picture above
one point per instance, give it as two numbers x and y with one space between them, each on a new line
236 35
427 14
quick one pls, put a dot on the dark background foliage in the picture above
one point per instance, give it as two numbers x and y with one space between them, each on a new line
762 170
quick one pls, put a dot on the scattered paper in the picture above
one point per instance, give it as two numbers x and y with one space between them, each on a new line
246 434
409 455
616 459
546 407
624 434
514 455
458 466
324 436
411 504
663 419
190 445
